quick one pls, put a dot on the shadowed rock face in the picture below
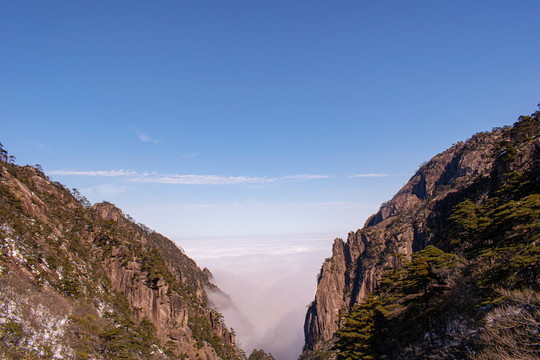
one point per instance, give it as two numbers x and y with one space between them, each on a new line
405 224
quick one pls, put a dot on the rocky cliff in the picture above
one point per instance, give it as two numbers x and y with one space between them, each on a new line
414 218
87 282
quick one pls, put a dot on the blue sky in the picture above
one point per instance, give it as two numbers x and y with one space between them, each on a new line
264 104
213 121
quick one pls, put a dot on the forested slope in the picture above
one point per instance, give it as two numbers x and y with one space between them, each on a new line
87 282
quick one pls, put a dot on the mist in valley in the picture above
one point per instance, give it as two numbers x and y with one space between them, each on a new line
270 282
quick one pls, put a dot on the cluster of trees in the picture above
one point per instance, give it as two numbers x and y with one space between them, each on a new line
4 155
438 300
260 355
405 307
115 336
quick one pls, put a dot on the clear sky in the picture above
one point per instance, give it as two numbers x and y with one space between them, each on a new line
217 120
270 107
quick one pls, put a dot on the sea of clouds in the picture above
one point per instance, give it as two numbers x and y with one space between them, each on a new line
270 280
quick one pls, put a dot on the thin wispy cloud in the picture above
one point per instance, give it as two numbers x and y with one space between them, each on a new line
37 145
188 156
120 172
369 175
197 179
145 137
250 205
302 177
191 179
186 179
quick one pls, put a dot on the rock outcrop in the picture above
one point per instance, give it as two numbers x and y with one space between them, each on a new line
408 223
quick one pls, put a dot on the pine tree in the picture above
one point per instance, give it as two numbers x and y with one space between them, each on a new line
357 338
426 279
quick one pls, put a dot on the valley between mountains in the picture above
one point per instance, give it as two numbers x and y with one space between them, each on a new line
447 269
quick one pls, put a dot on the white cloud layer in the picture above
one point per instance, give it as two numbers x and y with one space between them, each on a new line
271 279
241 247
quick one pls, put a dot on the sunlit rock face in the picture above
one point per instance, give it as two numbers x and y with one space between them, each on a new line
405 224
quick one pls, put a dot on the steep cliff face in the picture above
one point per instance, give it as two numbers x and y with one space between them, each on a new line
88 282
151 296
410 221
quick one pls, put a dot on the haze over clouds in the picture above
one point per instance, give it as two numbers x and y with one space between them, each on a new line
255 219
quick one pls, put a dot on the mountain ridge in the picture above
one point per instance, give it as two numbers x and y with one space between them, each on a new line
414 218
118 289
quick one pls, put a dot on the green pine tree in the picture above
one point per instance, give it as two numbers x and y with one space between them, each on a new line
357 338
